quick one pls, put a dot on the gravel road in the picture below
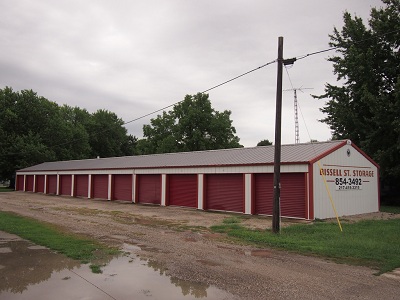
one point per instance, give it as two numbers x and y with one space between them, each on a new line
179 239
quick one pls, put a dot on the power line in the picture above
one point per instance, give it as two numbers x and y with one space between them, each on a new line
296 107
354 42
316 52
168 106
291 61
205 91
244 74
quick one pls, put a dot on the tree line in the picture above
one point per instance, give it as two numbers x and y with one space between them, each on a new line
365 107
34 129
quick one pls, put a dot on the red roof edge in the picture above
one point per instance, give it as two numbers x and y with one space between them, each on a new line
333 149
340 146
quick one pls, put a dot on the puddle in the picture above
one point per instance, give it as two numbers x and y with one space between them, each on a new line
260 253
22 267
29 272
130 247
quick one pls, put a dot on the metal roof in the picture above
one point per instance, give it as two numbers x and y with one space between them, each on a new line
293 153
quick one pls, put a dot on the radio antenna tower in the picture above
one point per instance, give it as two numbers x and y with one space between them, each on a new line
296 115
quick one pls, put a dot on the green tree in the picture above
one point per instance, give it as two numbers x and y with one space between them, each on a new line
107 135
160 135
75 136
366 107
190 126
264 143
34 130
24 120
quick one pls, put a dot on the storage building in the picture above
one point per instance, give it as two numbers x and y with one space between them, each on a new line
236 180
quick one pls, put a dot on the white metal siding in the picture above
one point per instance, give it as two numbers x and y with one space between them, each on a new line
296 168
247 193
347 202
163 189
200 191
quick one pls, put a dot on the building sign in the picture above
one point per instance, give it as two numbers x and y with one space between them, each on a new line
347 178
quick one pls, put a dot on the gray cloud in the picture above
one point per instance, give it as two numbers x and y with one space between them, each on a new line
134 57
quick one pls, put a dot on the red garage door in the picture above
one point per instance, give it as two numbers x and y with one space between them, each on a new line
39 184
81 185
65 185
293 194
29 183
225 192
149 189
20 182
182 190
264 193
122 187
51 184
100 186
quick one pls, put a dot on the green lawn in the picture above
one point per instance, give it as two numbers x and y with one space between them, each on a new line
373 243
73 246
5 189
390 209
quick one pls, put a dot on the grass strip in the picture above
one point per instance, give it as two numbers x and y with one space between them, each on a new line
5 189
372 243
45 234
390 209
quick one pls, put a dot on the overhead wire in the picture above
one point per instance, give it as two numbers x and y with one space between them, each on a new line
205 91
165 107
225 82
241 75
354 42
244 74
318 163
316 52
298 105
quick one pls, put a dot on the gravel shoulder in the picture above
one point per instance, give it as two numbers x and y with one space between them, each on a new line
180 240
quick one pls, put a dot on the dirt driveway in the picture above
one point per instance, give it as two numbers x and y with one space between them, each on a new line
179 239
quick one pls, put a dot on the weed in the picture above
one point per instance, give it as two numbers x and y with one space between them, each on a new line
231 220
96 268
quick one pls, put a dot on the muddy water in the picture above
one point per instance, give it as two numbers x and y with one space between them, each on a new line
28 271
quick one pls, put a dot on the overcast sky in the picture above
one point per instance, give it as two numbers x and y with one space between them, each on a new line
134 57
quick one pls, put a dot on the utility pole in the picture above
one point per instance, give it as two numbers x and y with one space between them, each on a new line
276 214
